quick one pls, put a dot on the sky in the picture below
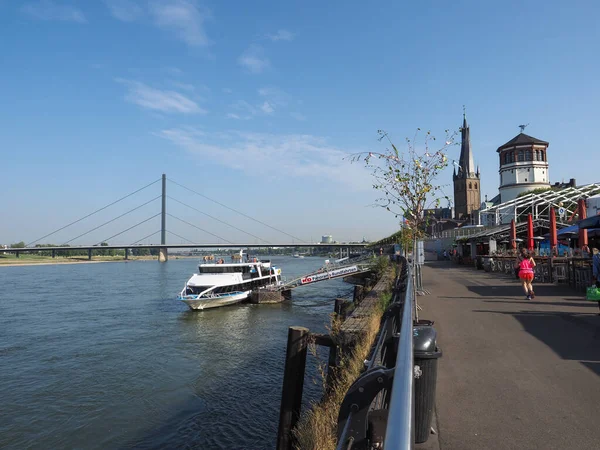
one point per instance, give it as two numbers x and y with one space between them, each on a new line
258 105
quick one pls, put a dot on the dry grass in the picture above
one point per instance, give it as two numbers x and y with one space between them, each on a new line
317 428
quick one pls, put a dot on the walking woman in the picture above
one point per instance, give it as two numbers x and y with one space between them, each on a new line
526 266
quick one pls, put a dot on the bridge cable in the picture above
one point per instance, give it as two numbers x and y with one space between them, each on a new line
146 237
130 228
236 211
192 225
112 220
218 220
91 214
181 237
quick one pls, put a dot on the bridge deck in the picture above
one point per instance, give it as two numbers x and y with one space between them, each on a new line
515 374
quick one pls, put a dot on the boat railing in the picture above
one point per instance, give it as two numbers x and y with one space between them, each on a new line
209 295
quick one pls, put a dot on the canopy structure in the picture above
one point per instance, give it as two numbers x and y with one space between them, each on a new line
503 232
590 222
539 204
573 230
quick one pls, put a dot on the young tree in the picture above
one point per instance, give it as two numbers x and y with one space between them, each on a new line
407 180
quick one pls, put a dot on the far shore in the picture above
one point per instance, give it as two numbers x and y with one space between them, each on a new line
48 261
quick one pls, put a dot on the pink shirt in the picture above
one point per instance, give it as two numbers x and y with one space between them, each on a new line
526 266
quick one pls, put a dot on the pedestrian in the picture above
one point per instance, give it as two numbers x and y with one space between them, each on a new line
445 255
596 269
526 266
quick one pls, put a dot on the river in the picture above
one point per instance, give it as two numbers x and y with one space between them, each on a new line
103 356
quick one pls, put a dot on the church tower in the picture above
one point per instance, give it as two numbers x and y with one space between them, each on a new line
467 197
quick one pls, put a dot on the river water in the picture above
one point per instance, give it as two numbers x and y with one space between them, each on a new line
103 356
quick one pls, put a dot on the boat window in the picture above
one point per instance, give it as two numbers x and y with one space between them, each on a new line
195 290
221 269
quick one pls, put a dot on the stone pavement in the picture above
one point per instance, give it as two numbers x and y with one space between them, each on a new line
515 374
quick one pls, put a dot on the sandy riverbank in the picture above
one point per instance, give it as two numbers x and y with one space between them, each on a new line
18 262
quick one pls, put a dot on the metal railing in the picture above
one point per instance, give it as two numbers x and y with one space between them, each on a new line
386 385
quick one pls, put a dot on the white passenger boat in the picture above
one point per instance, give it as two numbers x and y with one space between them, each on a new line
221 284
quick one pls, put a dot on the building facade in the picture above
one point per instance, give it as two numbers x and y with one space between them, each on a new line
467 197
523 166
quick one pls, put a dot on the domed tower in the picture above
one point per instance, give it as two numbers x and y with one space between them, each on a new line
523 166
467 197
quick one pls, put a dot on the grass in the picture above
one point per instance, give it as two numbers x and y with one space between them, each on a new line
317 427
27 258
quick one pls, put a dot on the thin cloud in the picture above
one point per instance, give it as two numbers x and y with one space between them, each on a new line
124 10
244 110
49 10
228 91
281 35
159 100
275 95
184 86
182 17
298 116
267 108
302 156
254 60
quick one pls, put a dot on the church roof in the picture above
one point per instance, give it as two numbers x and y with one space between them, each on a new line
522 139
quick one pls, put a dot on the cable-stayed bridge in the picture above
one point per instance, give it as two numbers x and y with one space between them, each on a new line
163 246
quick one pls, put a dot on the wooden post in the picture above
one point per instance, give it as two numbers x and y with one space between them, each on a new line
339 310
293 382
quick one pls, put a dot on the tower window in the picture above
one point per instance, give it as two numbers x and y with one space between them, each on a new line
475 185
521 155
528 156
470 185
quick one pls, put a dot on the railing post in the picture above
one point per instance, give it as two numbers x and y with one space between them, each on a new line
293 382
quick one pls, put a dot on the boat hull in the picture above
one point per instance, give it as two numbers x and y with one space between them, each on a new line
202 303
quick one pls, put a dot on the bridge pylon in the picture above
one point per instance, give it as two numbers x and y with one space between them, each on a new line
163 254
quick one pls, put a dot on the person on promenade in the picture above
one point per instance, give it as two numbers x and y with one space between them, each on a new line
526 266
596 268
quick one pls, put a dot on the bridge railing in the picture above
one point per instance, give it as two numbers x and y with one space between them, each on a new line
383 394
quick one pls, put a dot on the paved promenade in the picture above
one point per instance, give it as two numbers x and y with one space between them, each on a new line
516 374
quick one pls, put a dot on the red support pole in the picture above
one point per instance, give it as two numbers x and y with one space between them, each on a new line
553 236
583 236
513 235
529 232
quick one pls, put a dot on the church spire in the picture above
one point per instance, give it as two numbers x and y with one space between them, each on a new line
466 156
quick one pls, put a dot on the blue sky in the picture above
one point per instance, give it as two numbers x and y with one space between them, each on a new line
255 104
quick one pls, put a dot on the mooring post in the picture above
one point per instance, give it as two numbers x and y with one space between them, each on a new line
338 307
293 382
339 310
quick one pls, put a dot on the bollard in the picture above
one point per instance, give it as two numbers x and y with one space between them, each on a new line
426 355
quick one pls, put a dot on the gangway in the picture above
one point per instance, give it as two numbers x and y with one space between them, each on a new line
336 269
